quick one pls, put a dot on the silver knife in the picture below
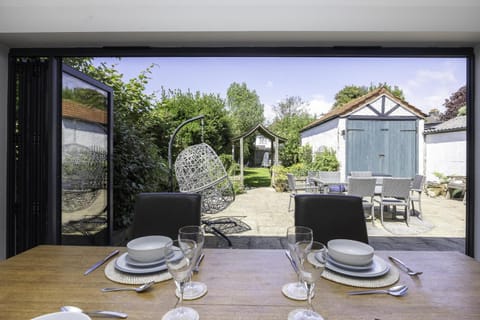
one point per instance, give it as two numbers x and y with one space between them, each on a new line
294 264
99 263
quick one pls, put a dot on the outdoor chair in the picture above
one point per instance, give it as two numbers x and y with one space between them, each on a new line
395 192
364 188
331 216
416 193
295 187
361 173
310 176
163 213
329 178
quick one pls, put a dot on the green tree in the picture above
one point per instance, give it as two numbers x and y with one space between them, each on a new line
454 103
290 118
175 107
245 111
348 93
244 107
138 166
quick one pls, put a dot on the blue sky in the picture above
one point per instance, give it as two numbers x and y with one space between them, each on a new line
426 82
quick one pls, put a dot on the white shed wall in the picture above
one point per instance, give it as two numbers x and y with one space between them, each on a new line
446 153
329 134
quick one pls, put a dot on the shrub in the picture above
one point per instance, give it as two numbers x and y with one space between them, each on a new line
137 168
279 182
325 161
298 169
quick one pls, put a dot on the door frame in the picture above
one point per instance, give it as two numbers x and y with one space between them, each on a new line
306 51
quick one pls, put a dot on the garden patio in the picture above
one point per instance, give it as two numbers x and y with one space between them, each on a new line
265 211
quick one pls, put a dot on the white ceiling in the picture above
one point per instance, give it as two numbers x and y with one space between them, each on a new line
93 23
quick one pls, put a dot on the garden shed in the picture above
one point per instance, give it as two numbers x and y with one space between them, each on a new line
377 132
446 149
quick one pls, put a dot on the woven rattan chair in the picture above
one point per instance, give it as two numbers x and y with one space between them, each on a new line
395 192
416 193
364 188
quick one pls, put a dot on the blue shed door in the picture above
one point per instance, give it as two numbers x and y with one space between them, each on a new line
382 146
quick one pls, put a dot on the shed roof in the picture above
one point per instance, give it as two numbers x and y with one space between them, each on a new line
264 131
360 102
454 124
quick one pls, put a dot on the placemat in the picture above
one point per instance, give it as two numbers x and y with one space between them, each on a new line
388 279
128 278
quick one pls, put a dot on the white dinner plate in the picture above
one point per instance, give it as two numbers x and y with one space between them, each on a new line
379 268
122 265
140 264
63 315
349 267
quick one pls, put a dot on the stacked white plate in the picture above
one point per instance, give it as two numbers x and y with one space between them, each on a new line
355 259
145 255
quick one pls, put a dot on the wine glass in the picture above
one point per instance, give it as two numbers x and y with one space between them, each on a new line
178 259
193 289
296 290
311 268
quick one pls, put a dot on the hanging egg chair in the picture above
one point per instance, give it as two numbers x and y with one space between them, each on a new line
199 169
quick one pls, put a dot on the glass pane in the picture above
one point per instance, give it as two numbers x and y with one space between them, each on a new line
84 162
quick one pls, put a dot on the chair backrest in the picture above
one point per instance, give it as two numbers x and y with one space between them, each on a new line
362 187
163 213
311 174
291 182
361 173
396 187
329 176
418 182
331 216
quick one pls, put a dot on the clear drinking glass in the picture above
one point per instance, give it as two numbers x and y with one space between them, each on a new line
193 289
311 268
178 259
296 290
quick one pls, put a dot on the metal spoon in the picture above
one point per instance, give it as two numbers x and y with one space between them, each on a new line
112 314
396 291
142 288
404 267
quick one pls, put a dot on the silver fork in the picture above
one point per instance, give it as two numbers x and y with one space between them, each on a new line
404 267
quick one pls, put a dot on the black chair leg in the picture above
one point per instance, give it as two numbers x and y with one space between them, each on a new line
217 232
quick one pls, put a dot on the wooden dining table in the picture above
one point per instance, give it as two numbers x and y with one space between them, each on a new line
242 284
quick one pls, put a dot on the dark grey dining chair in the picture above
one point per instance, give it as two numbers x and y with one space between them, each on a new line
331 216
163 213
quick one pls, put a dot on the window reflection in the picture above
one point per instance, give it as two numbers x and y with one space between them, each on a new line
84 161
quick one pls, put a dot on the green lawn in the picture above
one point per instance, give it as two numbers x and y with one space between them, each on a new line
256 177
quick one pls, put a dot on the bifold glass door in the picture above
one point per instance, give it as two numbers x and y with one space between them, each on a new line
84 159
59 156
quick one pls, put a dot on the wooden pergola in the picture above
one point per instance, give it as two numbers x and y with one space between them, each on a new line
274 139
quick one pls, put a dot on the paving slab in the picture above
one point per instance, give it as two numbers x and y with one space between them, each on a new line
266 212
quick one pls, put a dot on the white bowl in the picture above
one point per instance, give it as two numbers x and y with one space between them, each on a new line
350 252
63 315
148 249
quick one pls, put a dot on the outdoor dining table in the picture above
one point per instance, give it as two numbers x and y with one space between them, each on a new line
327 183
242 284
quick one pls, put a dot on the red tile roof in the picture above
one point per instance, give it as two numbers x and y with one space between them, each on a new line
76 110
